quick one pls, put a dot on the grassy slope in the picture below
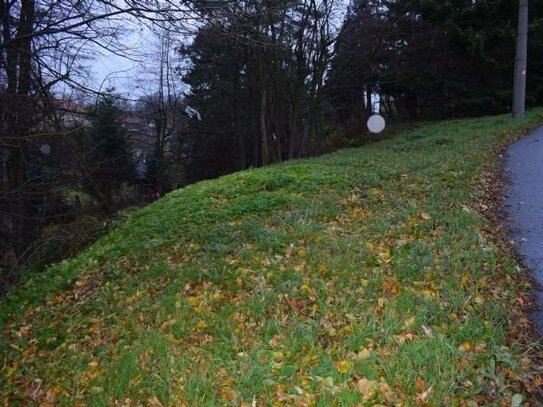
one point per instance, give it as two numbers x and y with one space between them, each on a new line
360 276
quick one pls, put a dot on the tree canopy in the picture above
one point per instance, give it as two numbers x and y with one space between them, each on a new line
432 58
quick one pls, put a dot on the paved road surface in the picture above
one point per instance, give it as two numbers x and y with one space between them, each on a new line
524 206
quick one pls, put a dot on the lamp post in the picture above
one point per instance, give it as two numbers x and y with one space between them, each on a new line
521 57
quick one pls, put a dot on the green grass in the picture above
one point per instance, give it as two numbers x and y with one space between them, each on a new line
364 276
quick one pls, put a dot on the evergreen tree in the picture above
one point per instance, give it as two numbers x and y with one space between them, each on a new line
535 62
257 79
109 161
432 58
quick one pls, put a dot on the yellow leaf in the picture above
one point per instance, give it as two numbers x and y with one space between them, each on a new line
409 322
11 370
345 366
277 355
465 347
328 381
385 256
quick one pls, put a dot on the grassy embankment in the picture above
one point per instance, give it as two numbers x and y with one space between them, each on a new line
364 276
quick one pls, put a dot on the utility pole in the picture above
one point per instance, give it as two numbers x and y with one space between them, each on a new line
521 58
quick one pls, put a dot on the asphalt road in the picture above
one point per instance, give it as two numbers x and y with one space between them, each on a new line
524 206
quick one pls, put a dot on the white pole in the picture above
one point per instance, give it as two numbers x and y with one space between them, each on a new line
521 58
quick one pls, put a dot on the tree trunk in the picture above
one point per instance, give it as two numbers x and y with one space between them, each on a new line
293 131
21 224
369 106
263 130
236 124
18 119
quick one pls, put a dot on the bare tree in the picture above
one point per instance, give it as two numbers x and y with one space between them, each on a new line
42 46
162 108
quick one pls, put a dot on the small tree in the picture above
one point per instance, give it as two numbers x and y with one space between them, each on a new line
109 161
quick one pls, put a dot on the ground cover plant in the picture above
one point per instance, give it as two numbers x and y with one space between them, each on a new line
366 276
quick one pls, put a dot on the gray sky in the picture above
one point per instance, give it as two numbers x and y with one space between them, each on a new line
109 69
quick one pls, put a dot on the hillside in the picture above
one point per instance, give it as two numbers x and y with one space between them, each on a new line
363 276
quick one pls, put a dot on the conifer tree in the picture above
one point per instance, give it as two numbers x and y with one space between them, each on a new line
109 161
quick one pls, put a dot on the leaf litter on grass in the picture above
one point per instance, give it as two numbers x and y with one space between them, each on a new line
354 278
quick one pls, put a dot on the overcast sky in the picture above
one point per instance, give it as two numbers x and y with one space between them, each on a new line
111 70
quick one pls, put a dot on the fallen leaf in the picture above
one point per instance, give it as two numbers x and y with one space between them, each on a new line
428 331
537 380
275 340
409 322
420 385
345 366
423 397
465 347
154 402
516 400
367 388
425 216
388 393
201 325
328 381
405 338
228 393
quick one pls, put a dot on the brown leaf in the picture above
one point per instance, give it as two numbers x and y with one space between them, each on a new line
275 341
423 397
391 285
425 216
228 393
154 402
367 388
420 385
49 399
